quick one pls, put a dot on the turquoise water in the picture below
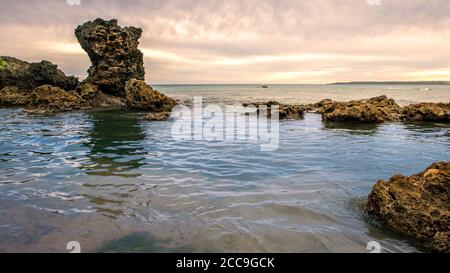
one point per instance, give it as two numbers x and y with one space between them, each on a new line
114 182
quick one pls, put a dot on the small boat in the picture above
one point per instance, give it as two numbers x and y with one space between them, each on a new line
264 86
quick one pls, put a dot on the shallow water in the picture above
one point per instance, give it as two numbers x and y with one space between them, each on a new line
114 182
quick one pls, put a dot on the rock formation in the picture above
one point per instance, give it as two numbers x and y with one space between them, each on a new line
113 52
116 76
11 96
375 110
94 98
138 95
27 76
49 99
380 109
427 112
417 206
318 107
285 111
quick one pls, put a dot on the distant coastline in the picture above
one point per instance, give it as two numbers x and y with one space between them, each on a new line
395 83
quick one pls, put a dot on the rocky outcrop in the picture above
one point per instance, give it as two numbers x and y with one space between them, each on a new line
375 110
417 206
114 54
427 112
97 99
139 95
285 111
116 76
380 109
11 96
318 107
48 99
27 76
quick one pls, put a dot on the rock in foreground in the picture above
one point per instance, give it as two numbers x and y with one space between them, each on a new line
113 52
417 206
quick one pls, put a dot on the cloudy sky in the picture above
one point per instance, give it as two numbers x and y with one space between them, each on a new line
251 41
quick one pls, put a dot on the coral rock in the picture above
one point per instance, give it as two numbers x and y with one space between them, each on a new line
96 98
427 112
374 110
140 96
49 99
28 76
285 111
113 52
12 96
417 206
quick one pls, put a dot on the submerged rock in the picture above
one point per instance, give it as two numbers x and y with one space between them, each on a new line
161 116
27 76
140 96
12 96
374 110
113 52
50 99
427 112
417 206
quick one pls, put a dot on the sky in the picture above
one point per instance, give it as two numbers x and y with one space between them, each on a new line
251 41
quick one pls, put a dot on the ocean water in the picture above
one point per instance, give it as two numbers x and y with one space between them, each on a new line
304 94
116 183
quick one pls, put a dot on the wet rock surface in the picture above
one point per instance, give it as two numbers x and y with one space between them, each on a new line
11 96
417 206
427 112
97 99
375 110
286 111
27 76
139 95
48 99
113 52
318 107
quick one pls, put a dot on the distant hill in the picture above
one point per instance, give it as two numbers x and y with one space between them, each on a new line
395 83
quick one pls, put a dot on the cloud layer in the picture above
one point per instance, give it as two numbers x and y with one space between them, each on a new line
252 41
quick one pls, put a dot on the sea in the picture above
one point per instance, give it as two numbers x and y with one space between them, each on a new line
112 182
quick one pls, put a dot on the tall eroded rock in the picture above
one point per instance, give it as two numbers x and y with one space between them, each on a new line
113 52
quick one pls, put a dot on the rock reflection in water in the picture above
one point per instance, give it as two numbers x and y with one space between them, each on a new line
116 145
354 128
116 151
